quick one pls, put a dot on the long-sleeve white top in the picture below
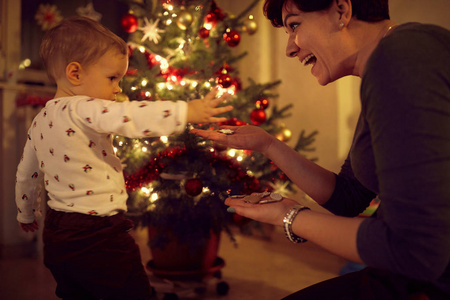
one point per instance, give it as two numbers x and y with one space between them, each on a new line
69 148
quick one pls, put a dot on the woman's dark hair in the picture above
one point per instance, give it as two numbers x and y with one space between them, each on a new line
364 10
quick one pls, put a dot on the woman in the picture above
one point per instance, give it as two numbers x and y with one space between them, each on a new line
400 151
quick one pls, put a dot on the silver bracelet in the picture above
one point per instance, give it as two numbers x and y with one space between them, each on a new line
289 219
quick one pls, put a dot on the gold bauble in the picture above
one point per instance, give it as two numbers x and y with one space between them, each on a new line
284 135
184 20
250 26
121 97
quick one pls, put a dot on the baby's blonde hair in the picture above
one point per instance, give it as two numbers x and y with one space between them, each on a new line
77 39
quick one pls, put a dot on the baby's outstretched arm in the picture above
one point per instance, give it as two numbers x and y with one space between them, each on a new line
204 110
31 227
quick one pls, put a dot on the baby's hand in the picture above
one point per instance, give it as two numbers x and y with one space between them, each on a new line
204 110
31 227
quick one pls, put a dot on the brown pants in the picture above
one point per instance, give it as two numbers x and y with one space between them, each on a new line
93 257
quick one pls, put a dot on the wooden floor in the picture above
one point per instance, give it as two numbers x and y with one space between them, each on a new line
258 269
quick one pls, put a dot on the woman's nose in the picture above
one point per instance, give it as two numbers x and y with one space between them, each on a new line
291 47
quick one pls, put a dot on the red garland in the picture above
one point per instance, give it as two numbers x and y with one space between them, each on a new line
152 170
233 121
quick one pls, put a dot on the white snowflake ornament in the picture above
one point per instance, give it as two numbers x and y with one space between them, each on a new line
151 31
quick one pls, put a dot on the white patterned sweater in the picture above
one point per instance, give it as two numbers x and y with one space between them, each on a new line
69 147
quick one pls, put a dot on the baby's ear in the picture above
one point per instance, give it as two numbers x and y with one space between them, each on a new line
73 73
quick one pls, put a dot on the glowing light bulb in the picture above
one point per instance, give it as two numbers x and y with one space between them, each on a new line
25 63
146 191
164 65
153 197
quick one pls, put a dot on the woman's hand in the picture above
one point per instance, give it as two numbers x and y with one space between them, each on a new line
243 137
271 213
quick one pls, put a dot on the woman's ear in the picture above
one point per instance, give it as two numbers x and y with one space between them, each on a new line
73 73
344 10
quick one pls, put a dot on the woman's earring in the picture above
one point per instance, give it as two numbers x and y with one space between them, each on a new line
341 25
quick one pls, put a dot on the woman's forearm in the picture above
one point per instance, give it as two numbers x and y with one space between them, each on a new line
311 178
333 233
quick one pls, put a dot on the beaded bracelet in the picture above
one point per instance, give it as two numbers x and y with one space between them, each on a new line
289 219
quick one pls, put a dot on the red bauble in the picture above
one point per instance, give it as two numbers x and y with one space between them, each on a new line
224 80
193 187
262 103
232 38
258 116
214 15
211 18
203 33
217 11
129 23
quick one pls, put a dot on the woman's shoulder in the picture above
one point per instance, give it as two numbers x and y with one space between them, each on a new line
412 43
411 33
412 57
416 26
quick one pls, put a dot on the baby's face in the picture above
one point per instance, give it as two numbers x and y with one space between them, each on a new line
101 79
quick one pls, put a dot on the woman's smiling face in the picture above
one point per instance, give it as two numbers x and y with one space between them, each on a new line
314 38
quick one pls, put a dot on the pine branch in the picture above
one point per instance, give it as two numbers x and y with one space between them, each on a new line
304 142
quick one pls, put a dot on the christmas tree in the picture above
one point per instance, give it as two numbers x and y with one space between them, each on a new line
181 50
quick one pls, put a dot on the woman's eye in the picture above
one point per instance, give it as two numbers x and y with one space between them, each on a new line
112 78
292 26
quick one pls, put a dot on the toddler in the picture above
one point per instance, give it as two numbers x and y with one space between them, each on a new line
87 246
